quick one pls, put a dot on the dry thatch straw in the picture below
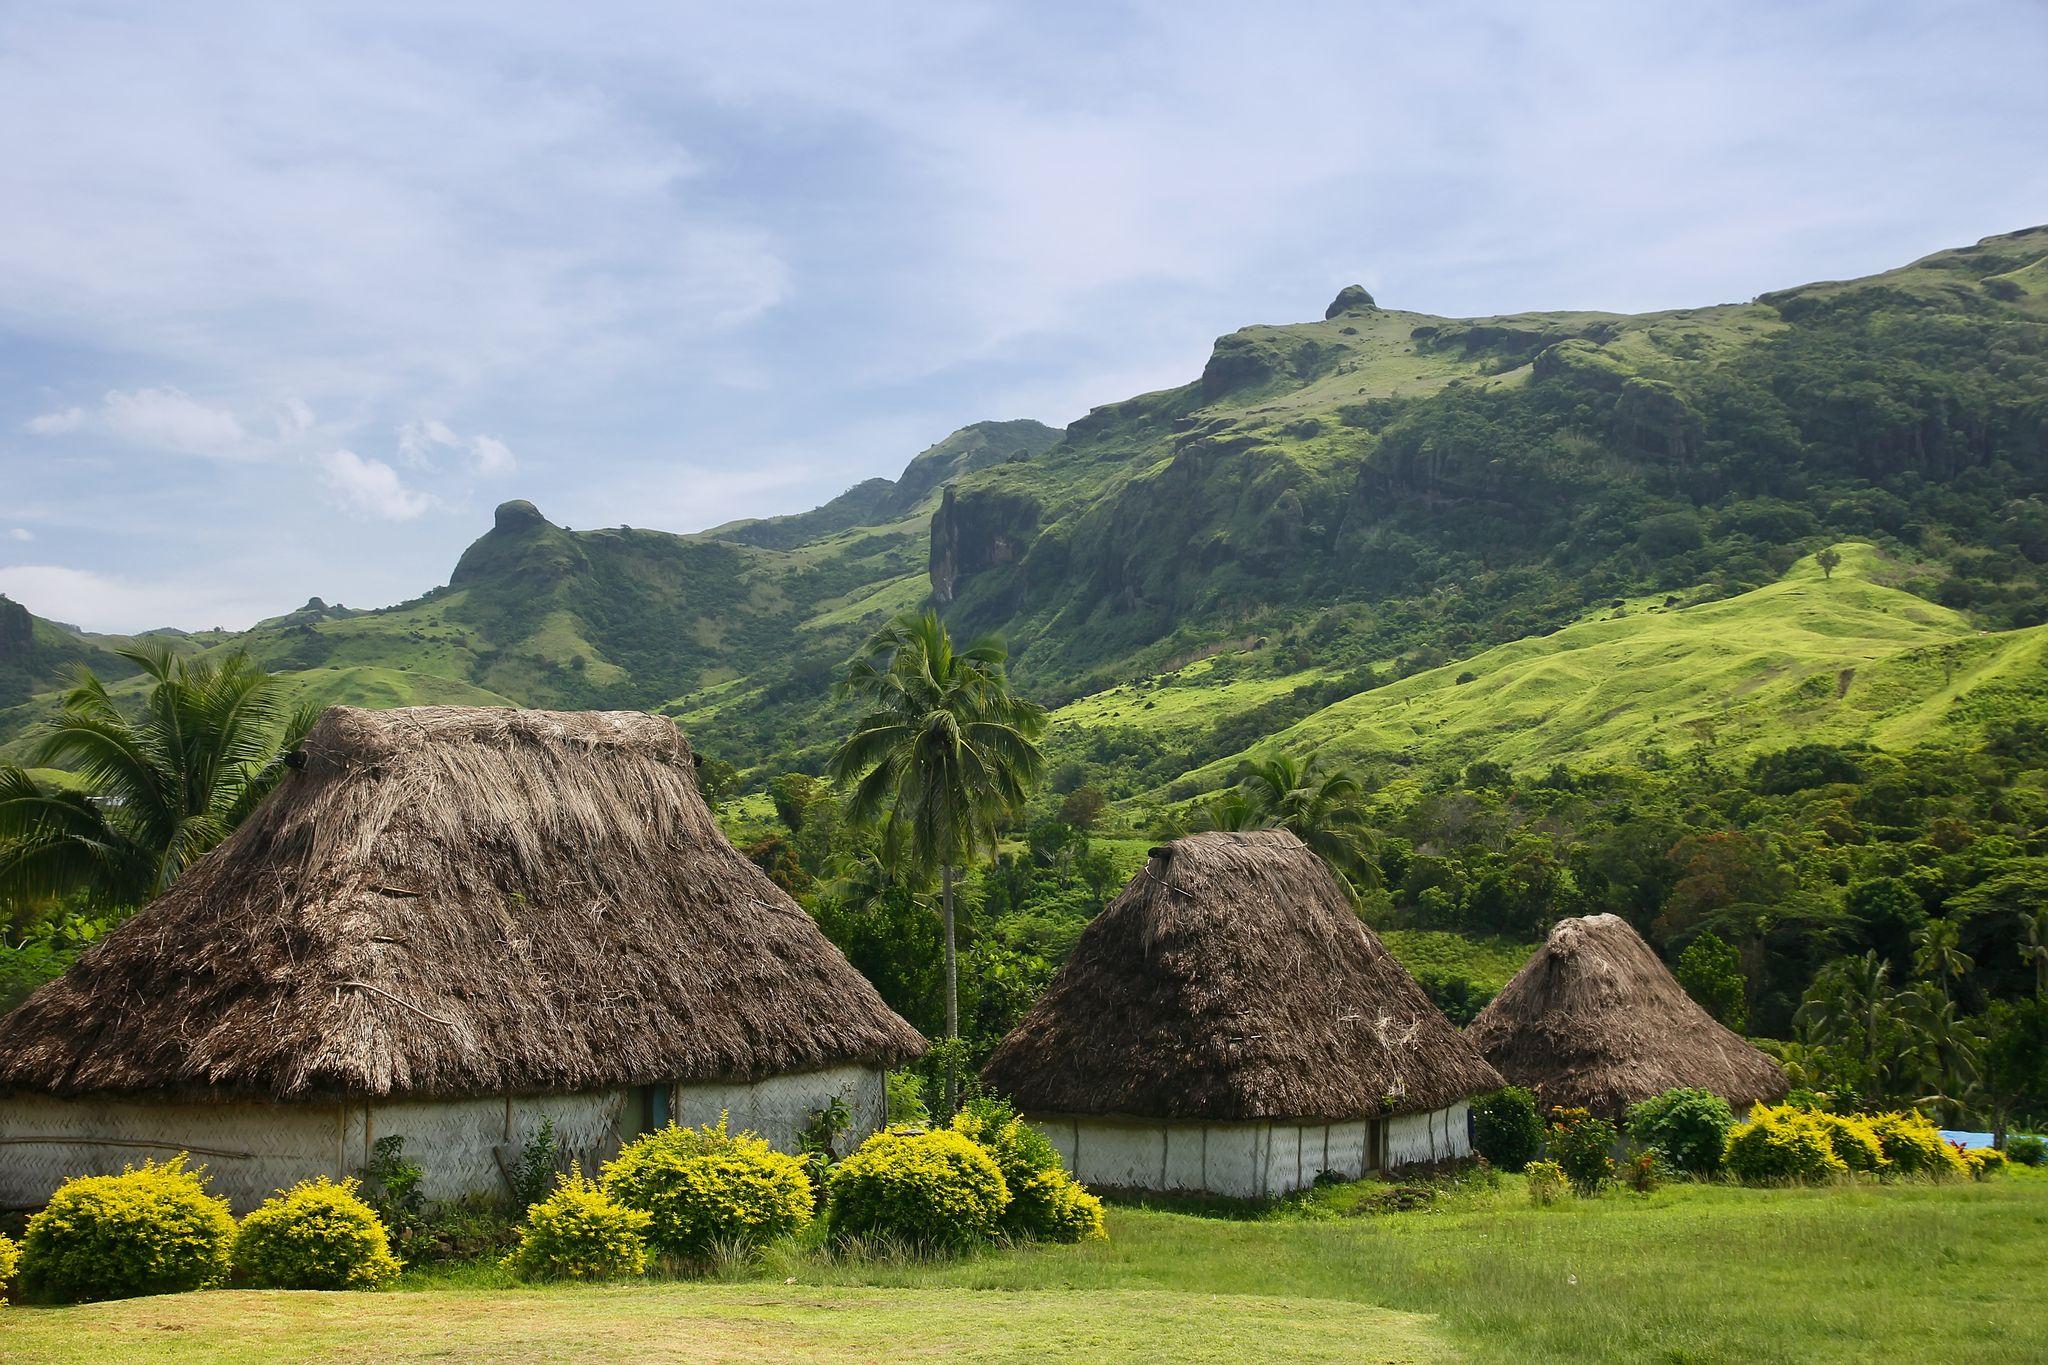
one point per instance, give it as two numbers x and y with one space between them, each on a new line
450 901
1594 1021
1232 980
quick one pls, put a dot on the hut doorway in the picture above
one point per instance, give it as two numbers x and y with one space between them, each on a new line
648 1109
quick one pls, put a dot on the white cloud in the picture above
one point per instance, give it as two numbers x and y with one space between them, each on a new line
56 423
167 419
294 419
485 456
489 456
21 533
370 488
108 602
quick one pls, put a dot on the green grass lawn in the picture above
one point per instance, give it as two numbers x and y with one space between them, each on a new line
1691 1273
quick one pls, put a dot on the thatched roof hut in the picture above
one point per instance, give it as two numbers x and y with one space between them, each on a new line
446 902
1595 1021
1232 982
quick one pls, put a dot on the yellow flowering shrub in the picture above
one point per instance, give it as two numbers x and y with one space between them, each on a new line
939 1190
1057 1208
1046 1203
705 1188
1547 1183
580 1233
1984 1162
1914 1146
1855 1142
153 1230
315 1235
10 1257
1782 1145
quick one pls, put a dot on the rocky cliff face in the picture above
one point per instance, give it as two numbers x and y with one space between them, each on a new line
972 534
17 631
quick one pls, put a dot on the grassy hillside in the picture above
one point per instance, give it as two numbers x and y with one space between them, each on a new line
1843 660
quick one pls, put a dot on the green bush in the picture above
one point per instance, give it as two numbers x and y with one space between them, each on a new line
932 1190
1781 1146
316 1235
580 1233
534 1176
153 1230
1584 1147
1046 1203
1547 1183
1914 1146
10 1257
1687 1127
1506 1129
2028 1150
706 1189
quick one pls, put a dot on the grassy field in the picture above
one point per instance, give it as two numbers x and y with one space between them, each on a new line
1691 1273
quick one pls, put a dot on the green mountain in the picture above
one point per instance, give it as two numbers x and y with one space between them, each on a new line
1597 521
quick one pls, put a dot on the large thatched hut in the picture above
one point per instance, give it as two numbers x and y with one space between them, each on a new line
1229 1025
447 924
1595 1021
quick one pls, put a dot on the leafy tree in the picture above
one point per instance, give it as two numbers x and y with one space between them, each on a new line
1829 559
945 752
1711 972
1083 807
155 792
2015 1063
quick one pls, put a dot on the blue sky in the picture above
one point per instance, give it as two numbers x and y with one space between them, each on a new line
290 300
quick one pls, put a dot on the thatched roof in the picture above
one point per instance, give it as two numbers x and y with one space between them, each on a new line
1594 1021
458 901
1232 980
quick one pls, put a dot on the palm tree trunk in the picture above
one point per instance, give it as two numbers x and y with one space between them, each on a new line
952 992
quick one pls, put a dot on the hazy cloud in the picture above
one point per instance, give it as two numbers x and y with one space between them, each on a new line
20 533
369 488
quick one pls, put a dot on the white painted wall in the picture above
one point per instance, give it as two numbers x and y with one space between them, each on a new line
253 1149
1258 1160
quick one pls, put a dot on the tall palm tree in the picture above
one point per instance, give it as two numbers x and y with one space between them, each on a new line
945 751
152 794
1938 954
1325 810
2034 947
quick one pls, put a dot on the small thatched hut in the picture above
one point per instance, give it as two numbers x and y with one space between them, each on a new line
1595 1021
1229 1025
448 924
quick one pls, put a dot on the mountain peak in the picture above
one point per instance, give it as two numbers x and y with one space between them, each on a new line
1352 298
517 515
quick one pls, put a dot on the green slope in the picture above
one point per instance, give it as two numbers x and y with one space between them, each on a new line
1804 659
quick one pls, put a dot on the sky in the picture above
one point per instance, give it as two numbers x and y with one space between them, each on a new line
292 296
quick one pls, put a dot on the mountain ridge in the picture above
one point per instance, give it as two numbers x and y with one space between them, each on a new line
1378 488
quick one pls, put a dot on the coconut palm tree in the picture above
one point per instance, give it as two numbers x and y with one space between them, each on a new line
945 751
1938 954
149 795
2034 947
1325 810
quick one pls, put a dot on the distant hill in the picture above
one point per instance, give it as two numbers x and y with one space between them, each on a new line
1311 542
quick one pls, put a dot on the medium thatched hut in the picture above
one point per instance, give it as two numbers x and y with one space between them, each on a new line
448 924
1595 1021
1229 1025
